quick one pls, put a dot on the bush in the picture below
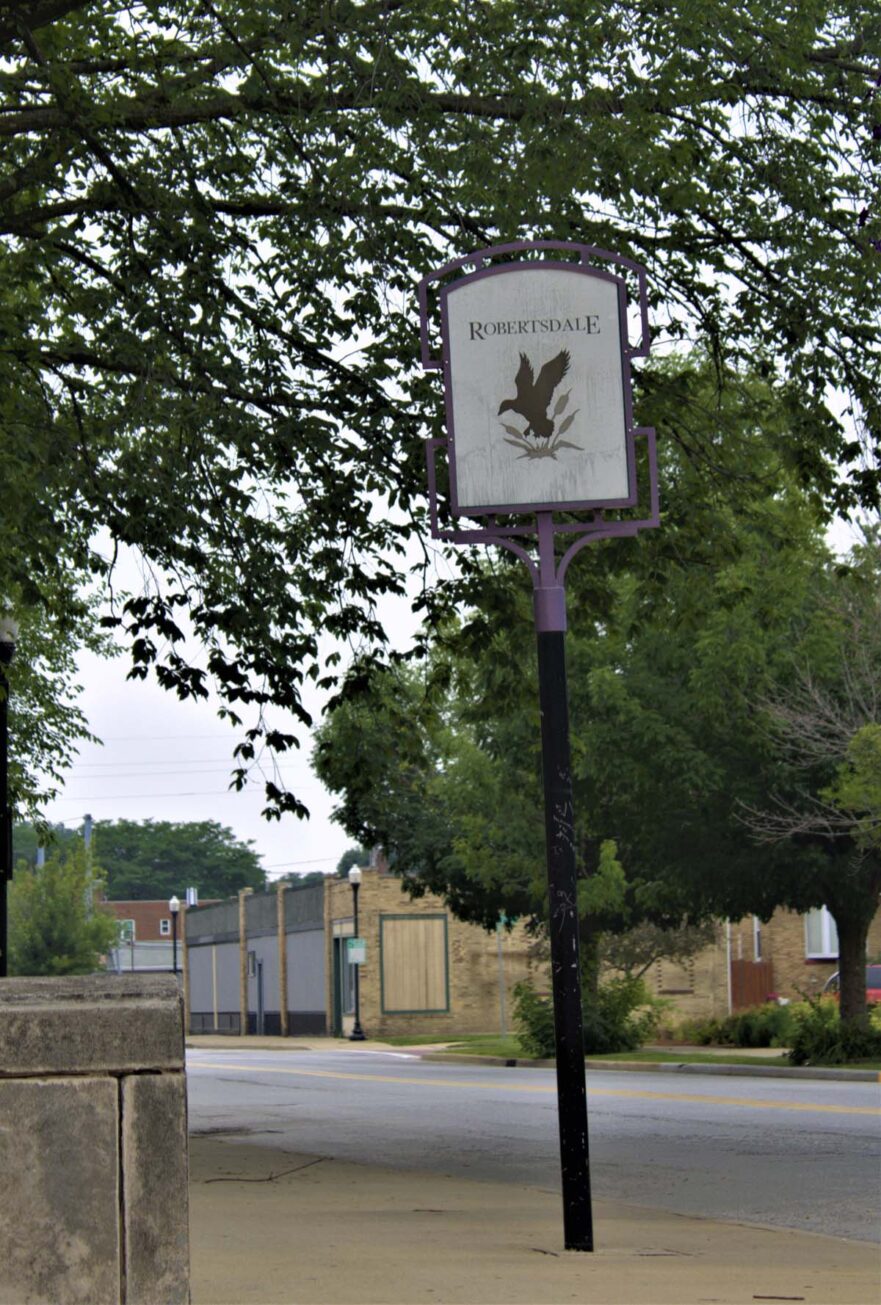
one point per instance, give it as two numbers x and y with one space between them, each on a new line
820 1038
620 1019
769 1025
534 1018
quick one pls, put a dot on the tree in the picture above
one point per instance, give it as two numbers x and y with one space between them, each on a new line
635 951
154 859
51 928
675 654
45 723
827 726
352 856
27 838
215 218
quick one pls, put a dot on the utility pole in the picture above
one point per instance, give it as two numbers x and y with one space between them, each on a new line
87 844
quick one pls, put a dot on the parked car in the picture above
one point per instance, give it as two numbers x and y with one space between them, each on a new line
873 983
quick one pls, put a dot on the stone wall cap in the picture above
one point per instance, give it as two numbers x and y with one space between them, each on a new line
39 990
91 1024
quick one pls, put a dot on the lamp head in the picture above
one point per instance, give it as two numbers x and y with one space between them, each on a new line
354 876
174 905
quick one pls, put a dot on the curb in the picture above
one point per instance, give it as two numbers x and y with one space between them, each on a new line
671 1067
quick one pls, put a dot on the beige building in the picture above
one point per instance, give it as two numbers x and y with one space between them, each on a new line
791 956
424 972
281 962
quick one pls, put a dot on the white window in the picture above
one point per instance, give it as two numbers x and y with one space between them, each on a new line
126 931
821 936
165 928
757 938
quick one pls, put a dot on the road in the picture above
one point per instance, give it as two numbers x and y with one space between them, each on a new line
790 1153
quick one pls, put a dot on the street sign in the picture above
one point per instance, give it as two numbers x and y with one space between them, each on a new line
356 951
538 400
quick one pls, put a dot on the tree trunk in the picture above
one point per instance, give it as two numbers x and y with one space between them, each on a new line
853 933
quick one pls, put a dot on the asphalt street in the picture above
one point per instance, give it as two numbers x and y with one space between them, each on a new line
787 1153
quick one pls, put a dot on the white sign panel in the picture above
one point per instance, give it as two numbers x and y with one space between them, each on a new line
356 951
536 395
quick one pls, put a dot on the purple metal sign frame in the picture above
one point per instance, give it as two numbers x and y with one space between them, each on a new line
548 575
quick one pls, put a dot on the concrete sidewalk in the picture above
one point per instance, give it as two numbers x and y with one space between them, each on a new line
270 1227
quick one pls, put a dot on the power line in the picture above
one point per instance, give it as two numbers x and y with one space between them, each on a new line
314 860
192 761
150 797
139 738
130 773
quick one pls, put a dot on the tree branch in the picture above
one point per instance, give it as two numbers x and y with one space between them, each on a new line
40 15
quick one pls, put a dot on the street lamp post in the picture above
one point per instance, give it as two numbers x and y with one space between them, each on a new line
8 637
174 907
357 1034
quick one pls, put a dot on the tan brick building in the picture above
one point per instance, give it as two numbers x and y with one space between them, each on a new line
424 971
799 951
278 962
699 988
791 956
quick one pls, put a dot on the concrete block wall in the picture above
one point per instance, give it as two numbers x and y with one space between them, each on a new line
93 1142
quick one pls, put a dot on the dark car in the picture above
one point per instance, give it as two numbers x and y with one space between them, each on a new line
873 983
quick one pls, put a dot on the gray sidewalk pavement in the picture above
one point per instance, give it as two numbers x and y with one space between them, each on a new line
269 1227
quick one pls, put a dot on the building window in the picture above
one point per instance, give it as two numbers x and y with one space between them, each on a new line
165 928
821 936
757 938
414 975
126 931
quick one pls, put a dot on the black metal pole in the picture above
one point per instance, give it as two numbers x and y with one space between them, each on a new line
563 925
5 815
357 1034
174 941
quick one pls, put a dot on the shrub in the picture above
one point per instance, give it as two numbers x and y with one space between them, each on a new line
621 1017
534 1018
769 1025
820 1038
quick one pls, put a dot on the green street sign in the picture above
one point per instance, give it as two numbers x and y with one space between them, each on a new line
356 951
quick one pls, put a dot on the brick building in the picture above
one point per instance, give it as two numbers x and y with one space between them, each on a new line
278 962
791 956
425 971
146 936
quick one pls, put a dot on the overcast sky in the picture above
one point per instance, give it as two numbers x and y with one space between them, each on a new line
164 759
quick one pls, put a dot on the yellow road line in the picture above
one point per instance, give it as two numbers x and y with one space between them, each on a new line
546 1088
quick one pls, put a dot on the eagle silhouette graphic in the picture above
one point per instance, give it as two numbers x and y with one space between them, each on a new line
533 396
531 402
